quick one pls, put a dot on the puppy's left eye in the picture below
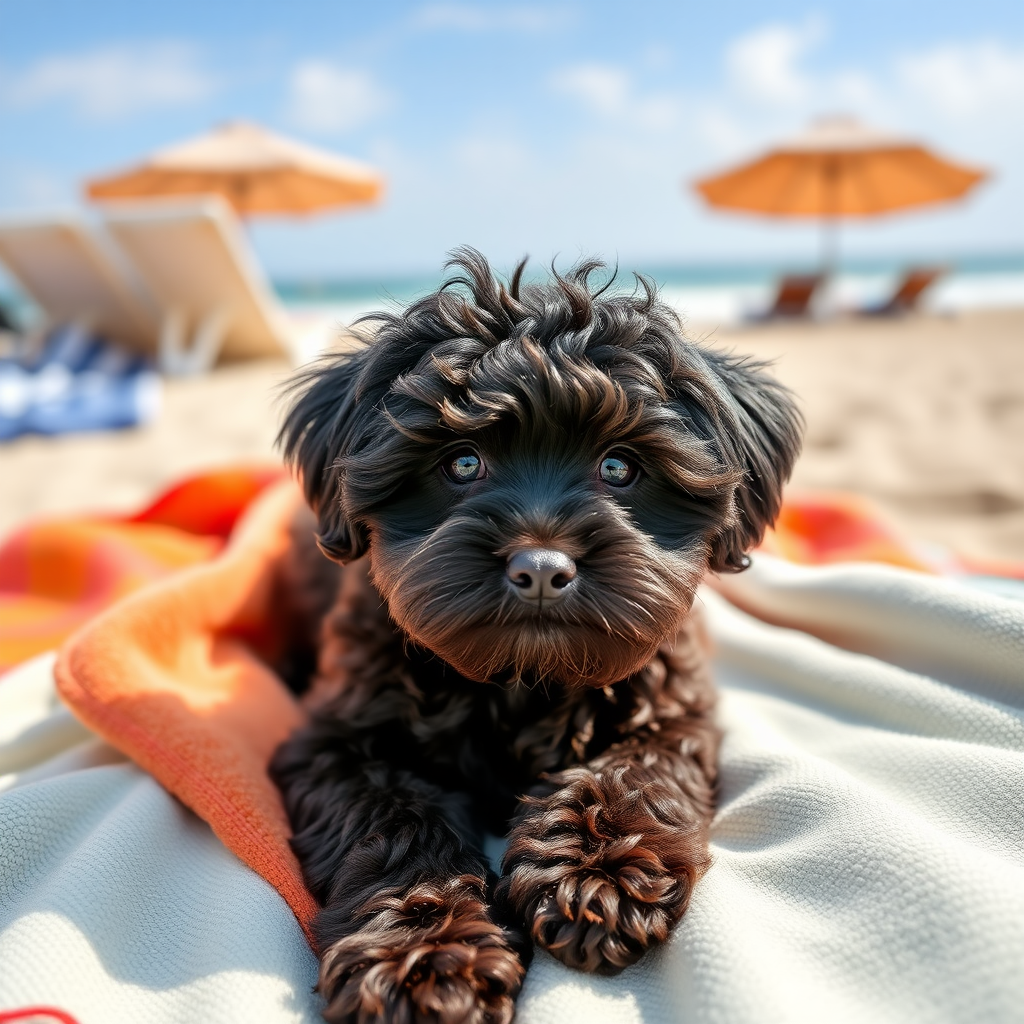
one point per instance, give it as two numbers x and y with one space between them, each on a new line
464 466
617 469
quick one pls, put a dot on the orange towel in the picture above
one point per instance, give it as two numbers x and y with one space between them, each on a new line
173 677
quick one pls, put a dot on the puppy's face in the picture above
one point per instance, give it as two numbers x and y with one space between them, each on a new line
545 523
540 501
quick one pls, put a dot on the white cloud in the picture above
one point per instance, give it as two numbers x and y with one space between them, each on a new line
326 99
603 89
473 18
763 64
609 92
967 89
964 79
115 81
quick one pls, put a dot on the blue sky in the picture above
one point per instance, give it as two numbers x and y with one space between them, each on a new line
548 128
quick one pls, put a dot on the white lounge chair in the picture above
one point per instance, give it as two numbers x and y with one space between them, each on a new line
194 258
74 275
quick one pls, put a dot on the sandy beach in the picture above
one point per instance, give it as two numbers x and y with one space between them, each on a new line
923 415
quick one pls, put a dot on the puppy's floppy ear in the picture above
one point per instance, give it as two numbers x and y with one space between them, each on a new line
321 428
765 440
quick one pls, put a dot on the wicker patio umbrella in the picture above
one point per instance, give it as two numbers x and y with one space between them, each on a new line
257 171
839 168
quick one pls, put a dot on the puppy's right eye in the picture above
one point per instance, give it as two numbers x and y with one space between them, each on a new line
464 467
617 470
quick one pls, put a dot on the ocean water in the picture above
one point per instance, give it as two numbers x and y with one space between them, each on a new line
715 294
708 295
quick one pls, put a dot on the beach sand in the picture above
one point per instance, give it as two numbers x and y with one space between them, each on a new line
923 415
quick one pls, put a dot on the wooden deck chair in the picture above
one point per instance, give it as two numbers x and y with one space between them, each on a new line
908 292
194 258
792 299
73 274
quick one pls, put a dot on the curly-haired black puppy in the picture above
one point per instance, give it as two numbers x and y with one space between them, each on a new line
526 484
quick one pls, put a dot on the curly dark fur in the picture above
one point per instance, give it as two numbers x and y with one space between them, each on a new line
447 706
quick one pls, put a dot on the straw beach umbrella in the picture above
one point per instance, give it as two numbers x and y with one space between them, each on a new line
257 171
839 168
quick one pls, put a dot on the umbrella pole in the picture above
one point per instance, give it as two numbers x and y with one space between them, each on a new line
829 246
831 172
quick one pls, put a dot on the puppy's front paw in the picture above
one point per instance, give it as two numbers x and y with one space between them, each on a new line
431 954
600 870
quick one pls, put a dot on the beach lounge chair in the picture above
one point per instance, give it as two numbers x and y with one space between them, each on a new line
908 292
793 298
214 300
75 277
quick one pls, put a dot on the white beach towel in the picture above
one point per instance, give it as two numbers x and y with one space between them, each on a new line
868 848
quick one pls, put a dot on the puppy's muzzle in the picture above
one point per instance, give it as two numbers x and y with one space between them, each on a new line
541 576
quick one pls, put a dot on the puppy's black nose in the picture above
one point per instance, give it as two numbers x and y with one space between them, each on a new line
541 576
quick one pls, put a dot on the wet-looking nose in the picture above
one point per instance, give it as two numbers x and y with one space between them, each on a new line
541 575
